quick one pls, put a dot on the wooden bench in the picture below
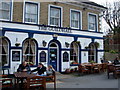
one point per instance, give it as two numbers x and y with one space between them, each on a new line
110 69
5 82
117 71
36 81
51 78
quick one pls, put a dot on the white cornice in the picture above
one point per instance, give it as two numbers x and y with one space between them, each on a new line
81 5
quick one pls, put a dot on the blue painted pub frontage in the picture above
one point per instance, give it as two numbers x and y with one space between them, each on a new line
52 43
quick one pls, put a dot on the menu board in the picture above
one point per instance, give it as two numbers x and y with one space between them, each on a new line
15 55
65 57
42 56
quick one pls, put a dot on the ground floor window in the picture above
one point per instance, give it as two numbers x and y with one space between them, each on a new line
92 53
29 51
4 51
74 53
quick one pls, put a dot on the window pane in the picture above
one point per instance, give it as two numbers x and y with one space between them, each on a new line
52 21
5 15
6 5
56 21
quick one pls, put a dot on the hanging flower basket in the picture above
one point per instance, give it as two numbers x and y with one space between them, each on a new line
86 47
97 44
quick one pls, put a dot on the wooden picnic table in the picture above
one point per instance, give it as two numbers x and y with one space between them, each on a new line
117 70
20 76
91 67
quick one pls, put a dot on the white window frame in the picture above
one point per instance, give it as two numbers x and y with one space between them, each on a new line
61 18
10 11
38 11
80 19
96 26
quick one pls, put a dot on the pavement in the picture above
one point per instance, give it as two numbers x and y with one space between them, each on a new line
76 80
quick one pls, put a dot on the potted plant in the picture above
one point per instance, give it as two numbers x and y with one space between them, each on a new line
72 70
31 63
67 71
74 62
91 61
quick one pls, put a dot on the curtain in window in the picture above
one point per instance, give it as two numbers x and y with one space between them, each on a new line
29 51
0 50
74 55
4 53
32 47
75 47
5 47
25 47
92 52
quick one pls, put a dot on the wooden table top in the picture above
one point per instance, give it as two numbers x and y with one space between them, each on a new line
23 75
27 75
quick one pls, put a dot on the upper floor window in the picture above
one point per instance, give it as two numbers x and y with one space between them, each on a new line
5 9
31 12
75 19
92 22
55 16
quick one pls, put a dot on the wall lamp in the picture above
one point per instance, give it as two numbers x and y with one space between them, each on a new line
44 43
17 43
67 44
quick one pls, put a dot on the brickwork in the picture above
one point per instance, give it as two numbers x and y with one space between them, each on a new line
43 18
18 11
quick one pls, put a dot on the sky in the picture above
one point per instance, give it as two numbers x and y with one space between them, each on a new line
103 1
105 27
